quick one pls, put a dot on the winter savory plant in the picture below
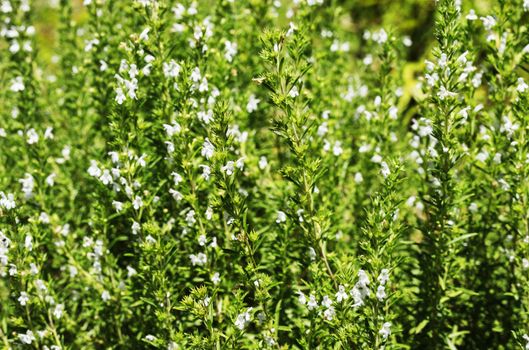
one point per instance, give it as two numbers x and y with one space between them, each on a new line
254 174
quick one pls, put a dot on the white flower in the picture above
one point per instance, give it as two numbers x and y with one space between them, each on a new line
207 149
444 93
144 36
195 75
302 298
525 263
89 44
243 319
48 133
105 296
106 178
384 169
206 172
58 311
137 203
33 269
117 205
131 271
41 286
377 158
472 15
294 92
488 22
281 217
385 331
230 51
312 303
312 254
17 84
329 313
135 228
205 116
381 293
341 295
203 87
263 162
508 126
94 170
177 196
7 201
229 168
28 243
337 148
177 178
172 129
363 279
209 213
171 69
326 301
23 298
252 103
383 277
322 129
359 178
522 85
300 215
133 71
44 218
27 338
215 278
120 96
190 217
28 183
199 259
240 163
32 136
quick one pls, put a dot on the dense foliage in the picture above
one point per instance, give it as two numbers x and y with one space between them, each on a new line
252 174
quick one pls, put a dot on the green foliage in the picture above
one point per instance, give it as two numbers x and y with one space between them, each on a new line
247 174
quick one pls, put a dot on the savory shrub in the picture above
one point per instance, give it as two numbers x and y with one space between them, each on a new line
252 174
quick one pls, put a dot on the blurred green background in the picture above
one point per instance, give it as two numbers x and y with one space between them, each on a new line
410 17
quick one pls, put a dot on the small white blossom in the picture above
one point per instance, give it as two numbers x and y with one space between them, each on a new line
136 228
329 313
341 295
230 50
385 331
281 217
326 301
199 259
243 319
27 338
58 311
207 149
137 203
252 103
215 278
23 298
381 293
383 277
105 296
263 162
17 84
